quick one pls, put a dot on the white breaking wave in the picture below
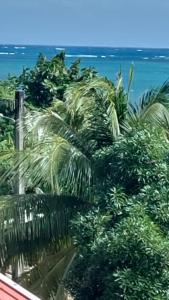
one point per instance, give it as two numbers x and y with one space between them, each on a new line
86 55
20 47
160 56
112 55
146 58
103 56
6 53
68 55
139 50
60 49
81 55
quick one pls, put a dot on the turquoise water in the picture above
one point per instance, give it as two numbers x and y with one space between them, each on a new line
151 66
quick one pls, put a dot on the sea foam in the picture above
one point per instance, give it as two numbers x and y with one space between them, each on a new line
60 49
20 47
160 57
7 53
81 55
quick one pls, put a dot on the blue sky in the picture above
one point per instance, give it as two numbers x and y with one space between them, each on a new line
85 22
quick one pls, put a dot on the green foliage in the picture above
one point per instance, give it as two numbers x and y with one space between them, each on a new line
7 88
49 79
126 261
123 241
6 150
156 198
133 161
7 95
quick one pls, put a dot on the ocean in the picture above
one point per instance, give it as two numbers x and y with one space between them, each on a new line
151 66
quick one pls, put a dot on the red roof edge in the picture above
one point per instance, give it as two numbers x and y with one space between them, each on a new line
17 288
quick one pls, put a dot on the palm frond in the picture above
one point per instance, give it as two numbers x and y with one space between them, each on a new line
38 125
56 166
80 97
46 278
54 157
87 98
153 106
131 77
119 98
30 223
113 120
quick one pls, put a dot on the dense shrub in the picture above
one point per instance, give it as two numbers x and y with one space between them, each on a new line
133 161
48 80
123 241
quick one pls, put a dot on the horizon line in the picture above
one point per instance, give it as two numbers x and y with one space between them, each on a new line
83 46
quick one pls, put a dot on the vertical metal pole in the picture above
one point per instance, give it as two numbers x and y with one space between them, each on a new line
19 145
19 136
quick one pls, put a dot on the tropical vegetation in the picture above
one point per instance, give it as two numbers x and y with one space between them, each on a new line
94 220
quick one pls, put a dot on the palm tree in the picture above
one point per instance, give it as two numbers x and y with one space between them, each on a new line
61 140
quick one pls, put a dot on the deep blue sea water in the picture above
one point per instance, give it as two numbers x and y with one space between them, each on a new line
151 66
